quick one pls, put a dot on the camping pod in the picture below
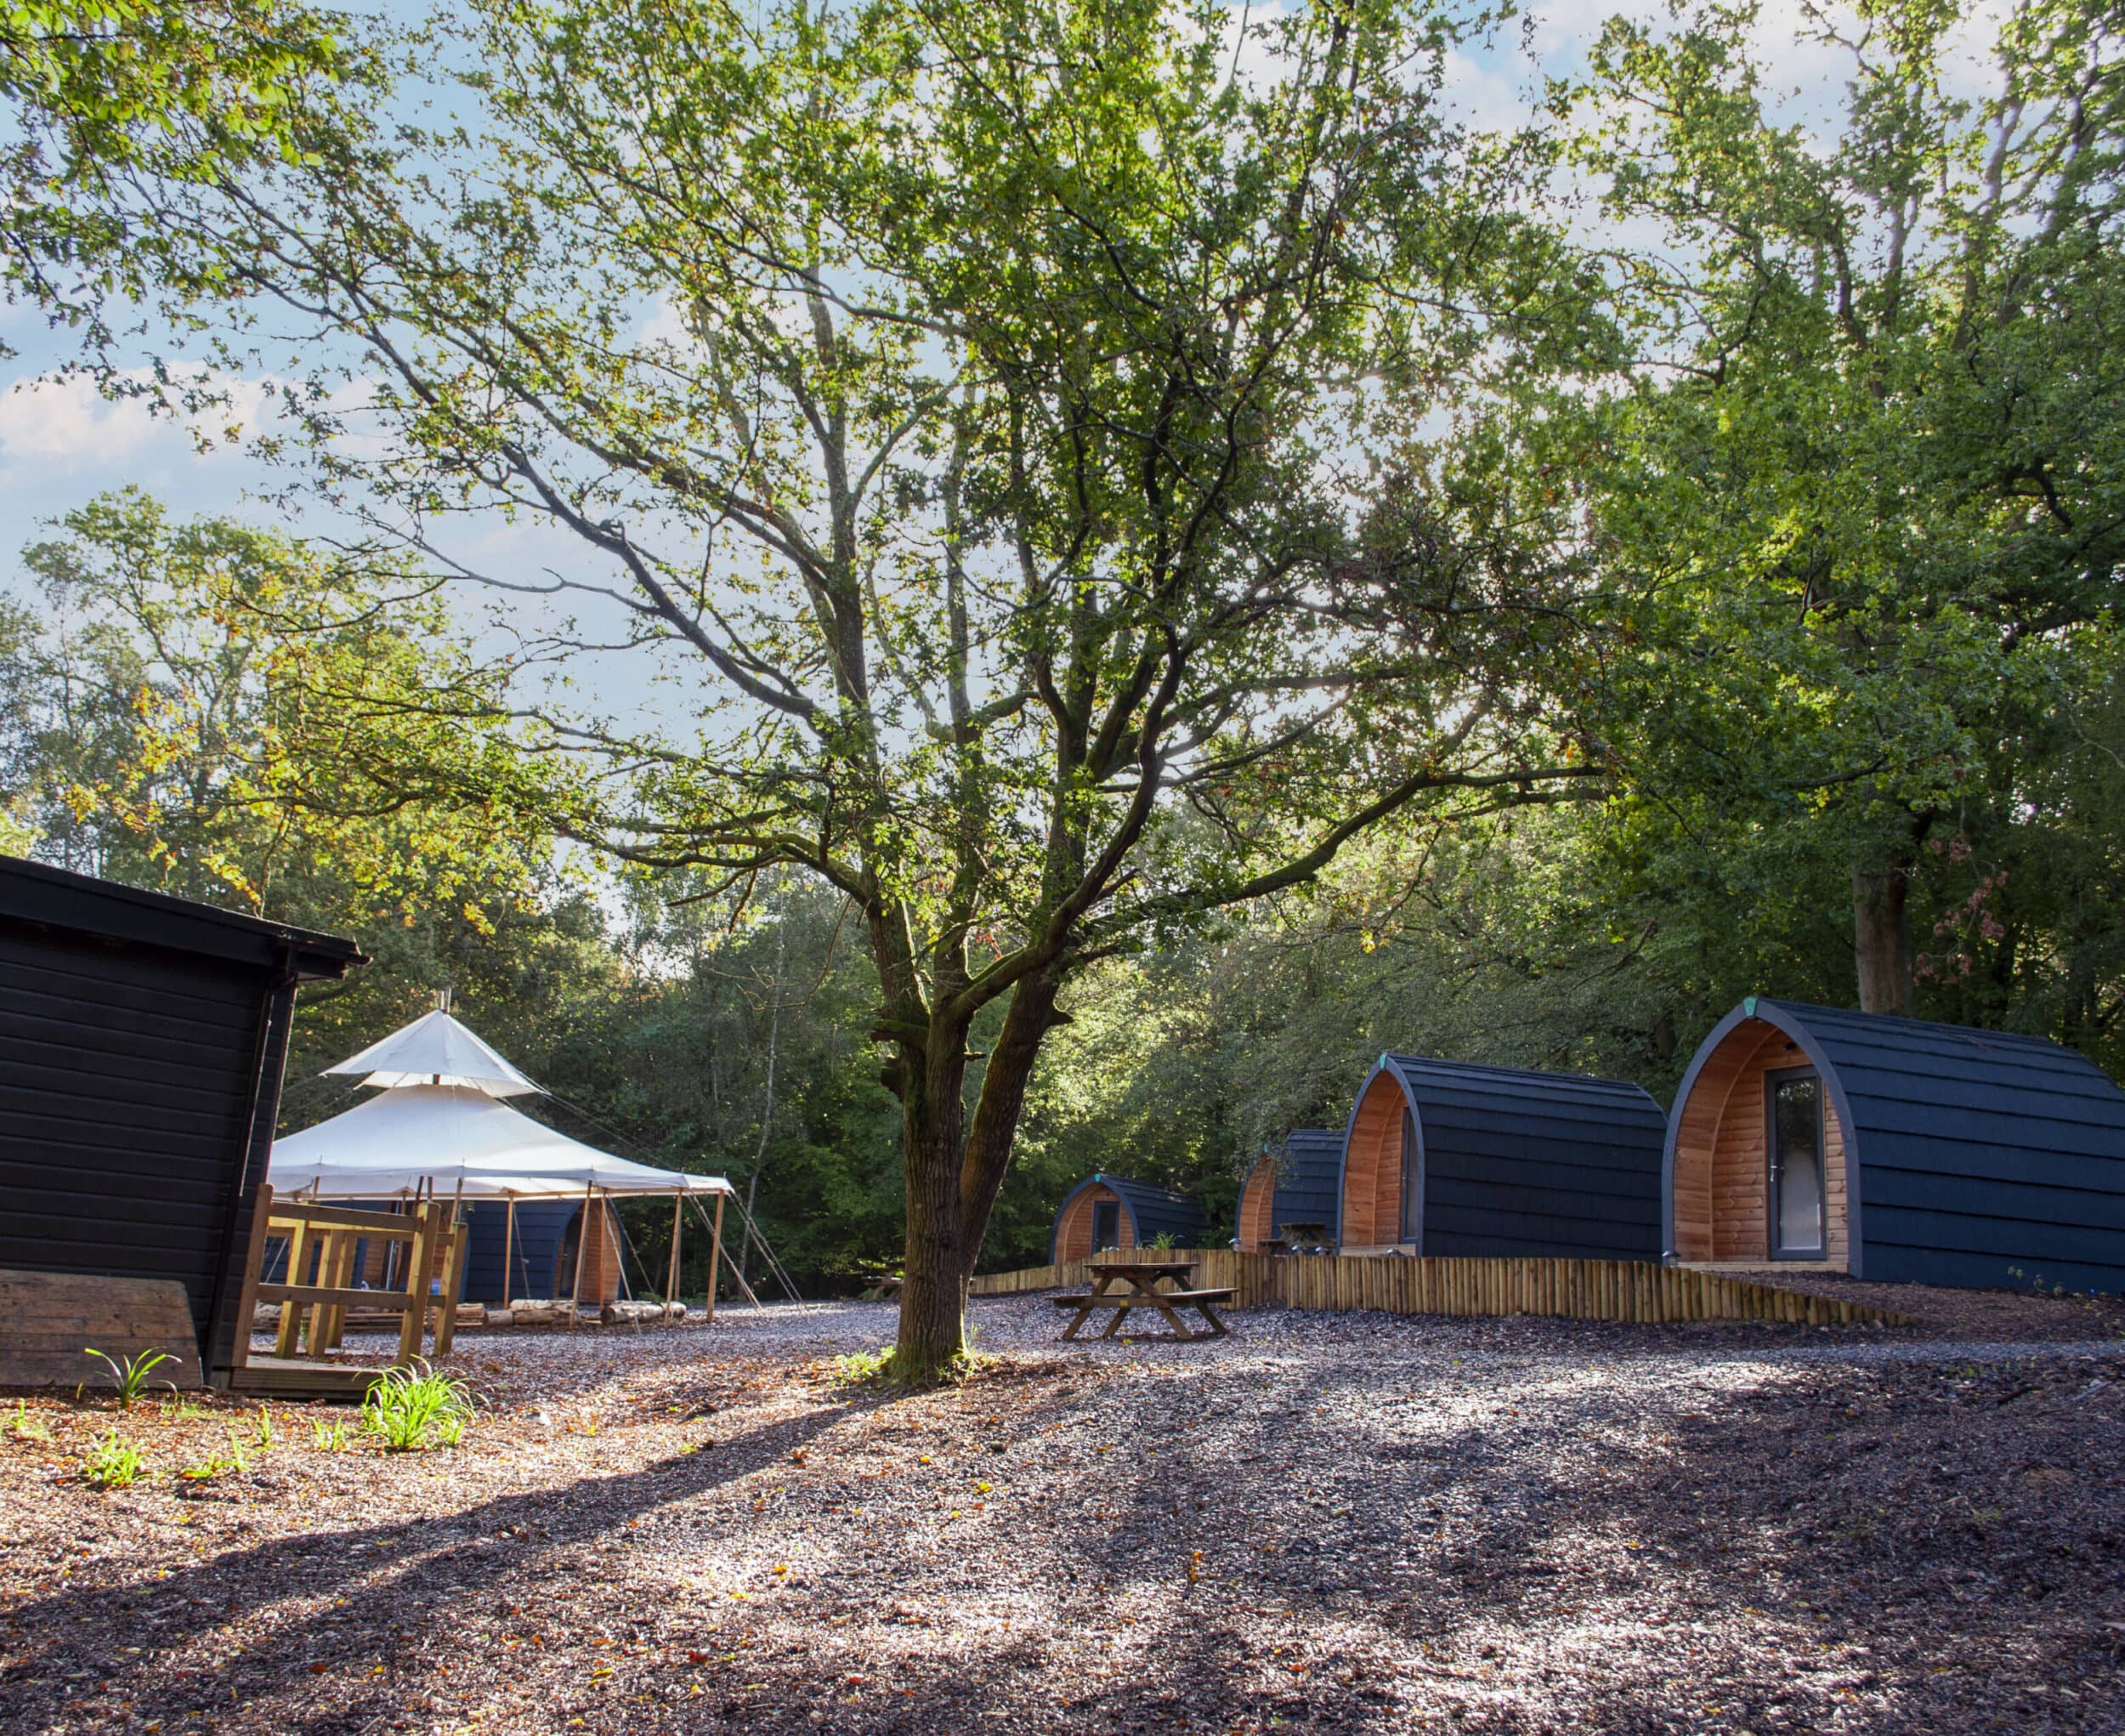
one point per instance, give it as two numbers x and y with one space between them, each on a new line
1104 1212
143 1039
1895 1150
1294 1188
1452 1158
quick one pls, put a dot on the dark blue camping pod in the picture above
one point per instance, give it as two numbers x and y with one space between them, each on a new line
1896 1150
1452 1159
1106 1211
1296 1187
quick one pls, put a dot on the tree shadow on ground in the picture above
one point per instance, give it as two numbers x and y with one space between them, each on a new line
1529 1547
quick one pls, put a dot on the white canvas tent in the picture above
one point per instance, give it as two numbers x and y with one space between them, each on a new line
436 1129
453 1139
437 1050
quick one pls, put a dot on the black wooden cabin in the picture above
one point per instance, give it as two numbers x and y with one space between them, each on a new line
1293 1189
1104 1211
142 1042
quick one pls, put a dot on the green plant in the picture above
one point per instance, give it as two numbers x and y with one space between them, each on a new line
181 1410
407 1407
132 1373
111 1463
25 1427
860 1365
262 1435
329 1436
216 1464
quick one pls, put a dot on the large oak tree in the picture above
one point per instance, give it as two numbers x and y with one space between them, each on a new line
997 433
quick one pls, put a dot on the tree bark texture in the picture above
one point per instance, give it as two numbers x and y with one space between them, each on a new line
1881 939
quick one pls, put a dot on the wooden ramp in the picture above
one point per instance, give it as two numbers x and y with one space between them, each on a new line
1642 1291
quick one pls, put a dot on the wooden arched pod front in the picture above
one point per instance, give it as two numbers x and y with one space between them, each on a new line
1074 1223
1724 1186
1383 1169
1258 1206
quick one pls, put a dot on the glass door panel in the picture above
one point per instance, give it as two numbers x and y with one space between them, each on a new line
1106 1225
1796 1166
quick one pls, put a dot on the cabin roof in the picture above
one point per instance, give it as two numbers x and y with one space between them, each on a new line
1474 1096
57 898
1910 1080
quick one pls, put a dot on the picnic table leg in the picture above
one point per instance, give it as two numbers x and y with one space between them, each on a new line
1218 1327
1085 1309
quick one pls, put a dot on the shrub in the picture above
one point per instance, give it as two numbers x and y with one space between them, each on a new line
407 1408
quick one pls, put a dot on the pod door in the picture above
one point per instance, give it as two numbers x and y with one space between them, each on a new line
1793 1143
1106 1225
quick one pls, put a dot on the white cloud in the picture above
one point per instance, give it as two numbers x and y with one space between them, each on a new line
69 424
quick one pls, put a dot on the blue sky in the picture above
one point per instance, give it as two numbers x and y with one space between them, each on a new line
61 444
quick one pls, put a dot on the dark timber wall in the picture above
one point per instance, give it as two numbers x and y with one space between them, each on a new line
141 1041
1968 1157
1511 1163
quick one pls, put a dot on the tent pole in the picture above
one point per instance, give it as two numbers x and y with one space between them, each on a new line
508 1247
671 1283
715 1259
582 1254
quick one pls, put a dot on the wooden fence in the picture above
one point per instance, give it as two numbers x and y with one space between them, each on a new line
1637 1291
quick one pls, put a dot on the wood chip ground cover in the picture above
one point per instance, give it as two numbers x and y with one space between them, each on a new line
1326 1521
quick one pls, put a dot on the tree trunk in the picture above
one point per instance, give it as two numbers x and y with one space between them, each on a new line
1027 1022
933 1287
1881 939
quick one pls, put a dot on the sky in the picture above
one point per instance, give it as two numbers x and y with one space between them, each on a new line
61 444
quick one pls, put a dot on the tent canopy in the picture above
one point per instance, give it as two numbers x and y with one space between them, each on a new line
455 1137
437 1050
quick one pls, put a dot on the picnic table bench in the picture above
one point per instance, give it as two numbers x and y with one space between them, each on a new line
1143 1277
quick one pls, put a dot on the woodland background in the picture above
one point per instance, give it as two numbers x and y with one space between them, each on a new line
1816 504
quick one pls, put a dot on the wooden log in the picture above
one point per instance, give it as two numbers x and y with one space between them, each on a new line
391 1225
714 1254
247 1298
422 1260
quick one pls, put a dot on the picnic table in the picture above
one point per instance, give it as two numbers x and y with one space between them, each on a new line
1140 1277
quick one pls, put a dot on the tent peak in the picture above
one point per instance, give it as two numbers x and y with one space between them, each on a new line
435 1049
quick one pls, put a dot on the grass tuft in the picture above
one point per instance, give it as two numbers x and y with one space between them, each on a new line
111 1463
135 1375
412 1408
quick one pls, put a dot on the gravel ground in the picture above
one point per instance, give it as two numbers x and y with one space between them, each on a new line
1330 1520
